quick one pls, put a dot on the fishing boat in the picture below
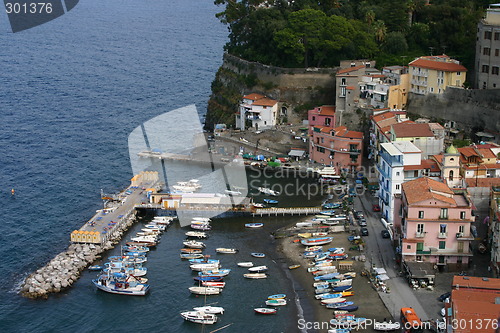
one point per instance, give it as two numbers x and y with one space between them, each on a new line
342 288
191 250
194 244
336 250
145 239
208 279
277 296
386 326
346 282
96 268
328 212
276 302
293 266
129 259
255 275
328 296
316 241
266 311
305 235
268 191
147 244
141 249
330 222
303 224
319 291
192 255
254 225
116 284
204 261
225 250
257 255
320 285
349 308
337 295
245 264
258 269
199 317
204 267
270 201
196 234
217 272
119 267
314 248
205 290
210 309
215 284
326 276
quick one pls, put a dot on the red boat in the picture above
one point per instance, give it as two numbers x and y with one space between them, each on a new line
213 284
266 311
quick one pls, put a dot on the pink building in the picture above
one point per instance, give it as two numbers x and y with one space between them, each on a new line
323 116
435 224
337 147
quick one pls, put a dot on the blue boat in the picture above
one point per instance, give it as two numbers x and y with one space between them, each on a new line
208 278
328 212
326 277
204 261
331 205
316 241
277 296
342 288
270 201
339 305
219 272
349 308
257 255
254 225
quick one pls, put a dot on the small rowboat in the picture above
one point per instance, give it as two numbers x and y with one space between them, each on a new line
293 266
225 250
192 255
255 275
215 284
270 201
258 269
257 255
189 250
277 296
95 268
254 225
209 278
276 302
146 244
266 311
245 264
316 241
342 288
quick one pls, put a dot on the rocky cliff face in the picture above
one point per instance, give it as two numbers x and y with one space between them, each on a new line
297 89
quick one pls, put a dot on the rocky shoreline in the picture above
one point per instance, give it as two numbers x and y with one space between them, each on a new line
65 268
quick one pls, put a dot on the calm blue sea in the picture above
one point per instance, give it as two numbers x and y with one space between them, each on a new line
71 91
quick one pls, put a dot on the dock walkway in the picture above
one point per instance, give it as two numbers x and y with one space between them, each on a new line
287 211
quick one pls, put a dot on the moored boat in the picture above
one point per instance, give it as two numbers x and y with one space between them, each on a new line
270 201
199 317
293 266
204 267
266 311
194 244
276 302
192 255
245 264
215 284
277 296
268 191
226 250
196 234
116 283
254 225
208 279
257 255
205 290
255 275
191 250
147 244
210 309
258 269
96 268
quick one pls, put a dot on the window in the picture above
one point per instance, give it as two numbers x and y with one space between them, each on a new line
462 217
494 70
314 118
461 229
342 82
442 245
444 213
322 140
317 140
342 91
320 149
421 214
487 35
328 121
408 247
496 36
442 228
450 176
497 52
397 173
486 51
420 228
397 186
485 68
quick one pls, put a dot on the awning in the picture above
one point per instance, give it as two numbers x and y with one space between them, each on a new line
380 271
296 153
382 277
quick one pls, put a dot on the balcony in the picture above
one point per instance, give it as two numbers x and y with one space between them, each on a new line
423 252
254 118
443 235
462 237
420 234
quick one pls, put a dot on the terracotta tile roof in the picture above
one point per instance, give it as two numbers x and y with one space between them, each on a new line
437 65
476 283
424 188
413 167
409 130
431 165
482 182
350 69
253 96
265 102
382 116
486 153
490 166
438 158
468 151
342 131
327 110
488 145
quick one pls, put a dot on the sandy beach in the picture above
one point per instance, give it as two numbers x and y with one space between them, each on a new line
365 295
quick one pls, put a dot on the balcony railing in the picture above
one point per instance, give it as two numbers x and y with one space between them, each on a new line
423 252
420 234
461 236
442 235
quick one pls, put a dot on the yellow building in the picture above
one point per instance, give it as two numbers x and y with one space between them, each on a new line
398 94
433 74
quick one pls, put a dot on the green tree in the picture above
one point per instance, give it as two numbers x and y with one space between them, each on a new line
395 43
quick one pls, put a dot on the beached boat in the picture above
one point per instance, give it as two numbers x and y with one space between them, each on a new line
316 241
326 276
342 288
305 235
225 250
328 296
336 250
386 326
328 212
268 191
349 308
303 224
257 255
321 285
215 284
254 225
330 222
337 295
194 244
293 266
196 234
258 205
258 269
270 201
210 309
116 283
199 317
333 300
277 296
319 291
245 264
266 311
191 250
192 255
255 275
346 282
319 234
276 302
315 248
205 290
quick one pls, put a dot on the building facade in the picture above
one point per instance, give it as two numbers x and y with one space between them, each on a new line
435 224
428 137
257 111
322 116
487 66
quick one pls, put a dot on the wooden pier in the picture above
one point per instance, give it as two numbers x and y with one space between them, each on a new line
286 211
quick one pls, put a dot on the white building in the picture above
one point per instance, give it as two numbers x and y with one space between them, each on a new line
399 162
257 111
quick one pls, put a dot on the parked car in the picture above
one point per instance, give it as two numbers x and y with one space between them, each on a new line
376 208
385 234
362 222
364 231
358 214
444 296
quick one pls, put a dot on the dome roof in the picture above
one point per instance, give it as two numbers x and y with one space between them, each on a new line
452 150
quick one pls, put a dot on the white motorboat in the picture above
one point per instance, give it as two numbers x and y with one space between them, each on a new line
117 283
258 269
194 244
210 309
199 317
245 264
204 267
202 219
197 234
233 192
255 275
268 191
225 250
276 302
205 290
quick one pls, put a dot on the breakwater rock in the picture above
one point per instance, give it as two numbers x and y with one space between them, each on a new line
65 268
